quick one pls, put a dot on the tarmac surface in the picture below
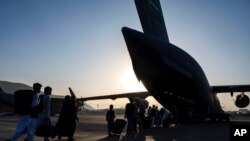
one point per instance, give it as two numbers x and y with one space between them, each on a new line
93 128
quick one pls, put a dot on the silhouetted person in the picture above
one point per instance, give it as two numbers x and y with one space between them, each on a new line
67 119
129 114
157 118
153 113
142 112
110 117
136 119
148 111
44 115
27 123
175 115
76 109
190 111
164 114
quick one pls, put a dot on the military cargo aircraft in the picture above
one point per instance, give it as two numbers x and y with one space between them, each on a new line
172 76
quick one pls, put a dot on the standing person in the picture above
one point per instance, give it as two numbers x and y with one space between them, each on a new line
67 119
164 113
175 115
44 115
129 114
153 114
157 118
142 112
136 119
110 117
148 111
27 122
190 111
76 109
75 104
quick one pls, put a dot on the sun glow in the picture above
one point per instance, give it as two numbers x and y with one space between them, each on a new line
130 81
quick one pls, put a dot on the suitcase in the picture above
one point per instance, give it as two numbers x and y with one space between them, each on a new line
46 131
65 129
146 124
119 126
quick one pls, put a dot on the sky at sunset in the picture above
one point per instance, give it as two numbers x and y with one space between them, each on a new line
79 43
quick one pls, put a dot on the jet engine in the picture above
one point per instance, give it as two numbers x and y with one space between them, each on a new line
140 101
242 100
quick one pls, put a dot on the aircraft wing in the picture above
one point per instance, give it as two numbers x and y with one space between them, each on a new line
139 97
115 96
231 88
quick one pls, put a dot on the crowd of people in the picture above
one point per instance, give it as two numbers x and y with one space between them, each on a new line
139 118
37 121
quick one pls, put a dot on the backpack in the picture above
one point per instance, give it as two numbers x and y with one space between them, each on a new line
23 102
41 101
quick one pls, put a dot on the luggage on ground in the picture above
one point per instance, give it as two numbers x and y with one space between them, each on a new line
46 130
65 129
146 123
119 126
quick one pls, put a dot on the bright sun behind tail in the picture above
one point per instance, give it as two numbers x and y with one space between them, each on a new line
130 81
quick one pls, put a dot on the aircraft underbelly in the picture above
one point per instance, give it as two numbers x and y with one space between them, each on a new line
169 82
166 69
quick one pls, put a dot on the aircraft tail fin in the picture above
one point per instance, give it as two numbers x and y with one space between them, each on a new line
151 17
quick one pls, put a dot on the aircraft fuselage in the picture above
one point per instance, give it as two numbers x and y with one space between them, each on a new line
170 74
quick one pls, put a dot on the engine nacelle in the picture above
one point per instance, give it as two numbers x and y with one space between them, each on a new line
242 101
140 101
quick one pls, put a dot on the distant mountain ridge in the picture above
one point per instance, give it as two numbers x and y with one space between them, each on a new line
11 87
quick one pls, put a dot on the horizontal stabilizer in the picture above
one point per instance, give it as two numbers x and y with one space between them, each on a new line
231 88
